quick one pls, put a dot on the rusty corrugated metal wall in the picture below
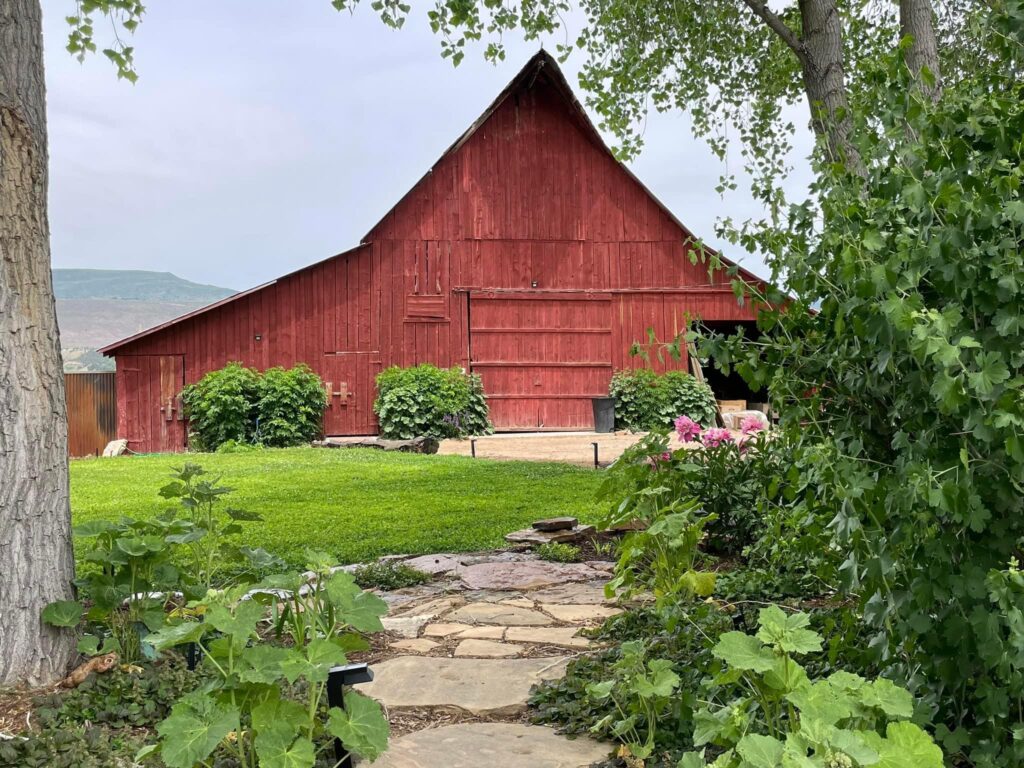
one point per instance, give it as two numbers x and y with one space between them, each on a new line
92 412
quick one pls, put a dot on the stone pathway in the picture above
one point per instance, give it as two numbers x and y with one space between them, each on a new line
470 644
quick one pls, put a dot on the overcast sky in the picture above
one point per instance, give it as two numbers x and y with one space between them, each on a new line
264 135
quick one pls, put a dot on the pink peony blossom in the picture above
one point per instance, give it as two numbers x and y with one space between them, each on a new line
750 425
687 428
715 437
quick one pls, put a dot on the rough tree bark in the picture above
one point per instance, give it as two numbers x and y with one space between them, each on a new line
36 563
917 20
819 49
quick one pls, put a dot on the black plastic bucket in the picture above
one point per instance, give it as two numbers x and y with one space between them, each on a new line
604 414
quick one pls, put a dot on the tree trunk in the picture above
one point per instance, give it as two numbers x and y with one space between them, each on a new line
825 80
917 21
36 562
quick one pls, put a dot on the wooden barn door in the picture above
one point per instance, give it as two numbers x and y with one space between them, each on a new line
350 381
149 388
542 356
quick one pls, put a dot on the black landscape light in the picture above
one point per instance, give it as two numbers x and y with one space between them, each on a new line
472 448
596 465
337 679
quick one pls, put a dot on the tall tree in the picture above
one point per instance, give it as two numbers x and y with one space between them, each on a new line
36 563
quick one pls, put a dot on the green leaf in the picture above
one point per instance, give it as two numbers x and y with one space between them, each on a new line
742 651
312 663
261 663
362 727
760 751
600 691
240 624
195 727
788 633
905 746
277 723
360 610
63 613
888 697
176 634
93 528
692 760
823 702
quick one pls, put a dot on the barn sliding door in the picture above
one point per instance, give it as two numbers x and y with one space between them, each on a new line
542 356
149 402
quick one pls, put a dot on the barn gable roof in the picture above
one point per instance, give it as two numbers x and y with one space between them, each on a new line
541 66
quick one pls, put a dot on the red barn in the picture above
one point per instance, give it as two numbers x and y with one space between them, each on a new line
527 253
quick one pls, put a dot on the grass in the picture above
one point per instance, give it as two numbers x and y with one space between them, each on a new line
354 504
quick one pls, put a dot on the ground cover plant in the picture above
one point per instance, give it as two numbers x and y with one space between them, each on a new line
355 504
260 643
425 400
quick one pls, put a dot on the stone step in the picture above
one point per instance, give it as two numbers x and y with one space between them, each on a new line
495 745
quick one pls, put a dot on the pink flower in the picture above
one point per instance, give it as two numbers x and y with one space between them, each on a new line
715 437
687 428
751 424
655 461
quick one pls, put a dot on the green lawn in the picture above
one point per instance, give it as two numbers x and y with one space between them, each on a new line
353 504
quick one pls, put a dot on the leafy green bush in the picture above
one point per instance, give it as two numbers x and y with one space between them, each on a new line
237 405
557 552
427 401
289 407
764 711
316 623
906 335
645 401
135 568
219 407
389 575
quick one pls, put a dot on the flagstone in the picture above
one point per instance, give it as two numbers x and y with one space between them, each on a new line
471 745
591 593
487 648
464 631
417 645
532 574
580 613
564 636
477 686
497 613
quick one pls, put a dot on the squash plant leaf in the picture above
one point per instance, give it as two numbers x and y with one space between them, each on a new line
361 726
193 730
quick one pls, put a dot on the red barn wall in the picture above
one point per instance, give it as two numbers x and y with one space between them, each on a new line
531 206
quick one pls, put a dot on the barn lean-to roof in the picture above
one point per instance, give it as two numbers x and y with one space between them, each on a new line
541 65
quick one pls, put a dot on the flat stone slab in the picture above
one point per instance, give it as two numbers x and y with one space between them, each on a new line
444 629
564 536
556 524
405 626
477 686
416 645
498 613
490 649
499 745
435 565
532 574
579 594
563 636
580 613
431 608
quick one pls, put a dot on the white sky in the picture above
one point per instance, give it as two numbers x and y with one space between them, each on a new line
264 135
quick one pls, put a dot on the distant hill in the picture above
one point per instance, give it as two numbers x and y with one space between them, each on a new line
134 284
98 306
